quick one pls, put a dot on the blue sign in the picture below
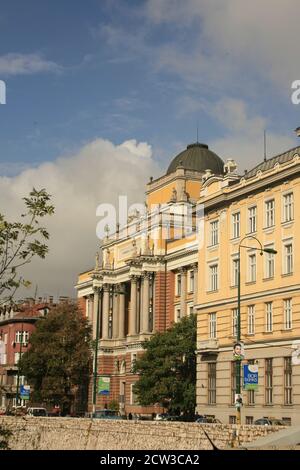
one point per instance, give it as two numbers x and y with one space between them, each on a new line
25 392
251 377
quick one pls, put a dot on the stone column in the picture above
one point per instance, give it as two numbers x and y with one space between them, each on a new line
105 312
195 268
95 311
145 312
121 311
132 318
183 293
115 325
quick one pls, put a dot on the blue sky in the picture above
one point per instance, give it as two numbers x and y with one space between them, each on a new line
102 94
135 69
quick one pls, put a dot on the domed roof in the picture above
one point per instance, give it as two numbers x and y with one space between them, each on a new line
197 157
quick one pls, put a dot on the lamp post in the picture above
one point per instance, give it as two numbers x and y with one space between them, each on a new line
238 326
18 375
96 360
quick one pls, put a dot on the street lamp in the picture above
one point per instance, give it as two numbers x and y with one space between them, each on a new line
238 326
95 372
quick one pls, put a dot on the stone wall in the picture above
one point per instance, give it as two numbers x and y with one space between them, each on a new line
86 434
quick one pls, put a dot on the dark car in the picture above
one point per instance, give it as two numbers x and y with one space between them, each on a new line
207 419
269 422
106 414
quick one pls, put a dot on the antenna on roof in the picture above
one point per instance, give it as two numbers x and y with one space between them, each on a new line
197 131
265 146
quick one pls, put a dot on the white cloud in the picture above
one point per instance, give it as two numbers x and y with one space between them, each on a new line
97 173
229 37
244 134
25 64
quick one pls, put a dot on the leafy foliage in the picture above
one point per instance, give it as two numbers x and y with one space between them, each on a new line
22 241
58 362
168 369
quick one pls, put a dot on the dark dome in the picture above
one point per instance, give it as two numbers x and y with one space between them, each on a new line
197 157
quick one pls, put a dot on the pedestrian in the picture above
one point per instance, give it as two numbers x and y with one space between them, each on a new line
129 416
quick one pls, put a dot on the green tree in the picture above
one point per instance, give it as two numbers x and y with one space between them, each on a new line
167 369
58 362
20 242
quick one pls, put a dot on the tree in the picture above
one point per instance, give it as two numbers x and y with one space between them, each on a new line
167 369
21 241
58 362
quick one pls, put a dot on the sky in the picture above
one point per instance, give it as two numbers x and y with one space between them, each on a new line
102 94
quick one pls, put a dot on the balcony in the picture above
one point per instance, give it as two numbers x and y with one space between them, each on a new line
208 346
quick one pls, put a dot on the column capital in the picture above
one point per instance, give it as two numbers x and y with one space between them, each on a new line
120 288
183 270
147 274
134 278
194 265
106 287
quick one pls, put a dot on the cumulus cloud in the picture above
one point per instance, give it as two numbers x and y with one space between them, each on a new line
98 173
26 64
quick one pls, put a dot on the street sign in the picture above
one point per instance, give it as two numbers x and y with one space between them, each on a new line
25 392
251 377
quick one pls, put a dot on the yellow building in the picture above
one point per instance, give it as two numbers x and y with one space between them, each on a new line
264 207
146 275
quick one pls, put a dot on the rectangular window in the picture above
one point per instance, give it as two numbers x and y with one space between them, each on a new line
233 382
133 360
236 225
249 419
269 381
213 277
269 263
191 281
251 320
269 317
288 314
212 325
22 337
235 272
214 233
133 396
190 309
212 383
288 207
288 390
234 318
252 226
232 419
270 213
252 268
178 285
288 258
177 315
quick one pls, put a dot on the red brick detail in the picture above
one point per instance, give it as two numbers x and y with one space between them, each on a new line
81 302
164 300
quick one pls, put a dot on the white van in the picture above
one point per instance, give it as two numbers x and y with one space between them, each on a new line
37 412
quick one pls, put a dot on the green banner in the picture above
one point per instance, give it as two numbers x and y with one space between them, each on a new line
103 385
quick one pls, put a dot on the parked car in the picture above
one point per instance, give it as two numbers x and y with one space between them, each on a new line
35 411
105 414
203 419
269 422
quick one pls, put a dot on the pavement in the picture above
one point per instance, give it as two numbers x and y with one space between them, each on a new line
288 438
